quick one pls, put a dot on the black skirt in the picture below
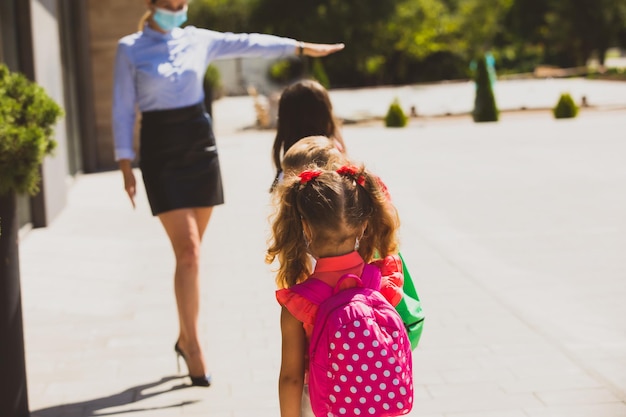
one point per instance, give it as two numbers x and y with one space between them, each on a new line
178 159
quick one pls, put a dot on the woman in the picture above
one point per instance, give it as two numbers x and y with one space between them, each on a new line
160 71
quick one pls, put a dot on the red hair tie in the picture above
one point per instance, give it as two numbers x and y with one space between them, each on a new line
308 175
353 172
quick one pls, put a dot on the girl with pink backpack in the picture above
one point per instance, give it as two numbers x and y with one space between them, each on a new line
345 350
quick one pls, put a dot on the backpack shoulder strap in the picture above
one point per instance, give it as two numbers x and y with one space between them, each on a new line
314 290
371 277
317 291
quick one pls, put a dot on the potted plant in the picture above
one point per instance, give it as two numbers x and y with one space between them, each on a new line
27 119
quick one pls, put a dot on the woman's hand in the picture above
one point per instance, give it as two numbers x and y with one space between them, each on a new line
130 185
318 49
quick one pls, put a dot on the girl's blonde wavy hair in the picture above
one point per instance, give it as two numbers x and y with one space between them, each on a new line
317 150
335 206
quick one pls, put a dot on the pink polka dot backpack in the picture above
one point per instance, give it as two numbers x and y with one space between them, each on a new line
360 353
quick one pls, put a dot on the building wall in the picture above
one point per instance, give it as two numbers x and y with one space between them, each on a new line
47 41
12 54
48 74
236 75
108 21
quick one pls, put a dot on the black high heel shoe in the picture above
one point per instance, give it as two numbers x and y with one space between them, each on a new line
196 381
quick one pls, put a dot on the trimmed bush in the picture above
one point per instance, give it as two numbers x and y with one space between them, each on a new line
319 73
395 115
213 82
286 70
485 108
27 118
212 87
565 108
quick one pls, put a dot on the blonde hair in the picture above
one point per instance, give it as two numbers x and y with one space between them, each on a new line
145 17
317 150
335 204
143 20
311 150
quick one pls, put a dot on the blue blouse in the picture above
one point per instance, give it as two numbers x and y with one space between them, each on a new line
158 71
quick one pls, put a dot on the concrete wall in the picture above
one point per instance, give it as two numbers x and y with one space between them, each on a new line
238 74
48 74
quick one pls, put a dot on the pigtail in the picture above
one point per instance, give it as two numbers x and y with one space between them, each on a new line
287 242
380 237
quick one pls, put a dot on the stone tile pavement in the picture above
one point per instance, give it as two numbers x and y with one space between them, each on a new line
515 231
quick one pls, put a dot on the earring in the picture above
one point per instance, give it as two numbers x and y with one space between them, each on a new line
356 244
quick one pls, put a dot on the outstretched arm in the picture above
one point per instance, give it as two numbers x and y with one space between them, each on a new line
291 379
318 49
238 45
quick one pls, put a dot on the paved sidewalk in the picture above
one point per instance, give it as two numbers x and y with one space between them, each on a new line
515 231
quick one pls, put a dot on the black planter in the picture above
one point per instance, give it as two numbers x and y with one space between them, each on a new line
13 389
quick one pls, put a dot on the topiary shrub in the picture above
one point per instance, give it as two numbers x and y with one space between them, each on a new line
213 88
27 118
485 108
319 73
395 115
213 82
565 108
286 71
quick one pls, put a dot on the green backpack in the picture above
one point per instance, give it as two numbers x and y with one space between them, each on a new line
410 308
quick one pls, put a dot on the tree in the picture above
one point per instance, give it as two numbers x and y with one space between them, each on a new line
479 21
27 117
520 44
579 28
401 41
525 21
449 31
418 31
222 15
356 23
391 41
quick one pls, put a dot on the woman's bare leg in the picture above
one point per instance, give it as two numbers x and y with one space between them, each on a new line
185 228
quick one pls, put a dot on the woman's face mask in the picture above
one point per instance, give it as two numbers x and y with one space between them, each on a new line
169 20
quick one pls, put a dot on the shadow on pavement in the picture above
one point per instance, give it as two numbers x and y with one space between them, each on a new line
128 396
